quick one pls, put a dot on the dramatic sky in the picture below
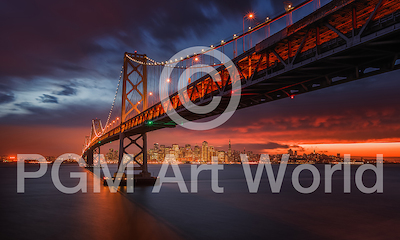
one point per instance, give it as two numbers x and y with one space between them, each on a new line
60 62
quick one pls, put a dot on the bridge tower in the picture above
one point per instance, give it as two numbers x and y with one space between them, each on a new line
134 86
95 131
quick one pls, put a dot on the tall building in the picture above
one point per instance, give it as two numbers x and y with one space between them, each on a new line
175 149
161 153
229 151
204 152
210 153
290 152
221 156
188 152
196 153
156 147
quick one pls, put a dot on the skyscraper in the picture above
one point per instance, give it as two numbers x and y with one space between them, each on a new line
290 152
229 151
204 152
221 156
156 147
175 149
197 153
211 153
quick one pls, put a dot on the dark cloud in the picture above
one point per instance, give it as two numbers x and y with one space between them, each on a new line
45 98
67 91
6 97
6 94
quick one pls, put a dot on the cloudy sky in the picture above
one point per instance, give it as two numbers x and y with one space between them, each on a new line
60 63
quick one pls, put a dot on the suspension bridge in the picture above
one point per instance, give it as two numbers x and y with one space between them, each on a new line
342 41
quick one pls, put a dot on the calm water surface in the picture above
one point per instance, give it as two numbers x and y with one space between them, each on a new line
43 212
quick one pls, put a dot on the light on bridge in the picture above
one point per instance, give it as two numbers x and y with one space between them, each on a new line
291 96
168 80
196 59
150 93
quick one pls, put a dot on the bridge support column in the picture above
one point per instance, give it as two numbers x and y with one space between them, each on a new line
144 150
89 158
140 141
121 148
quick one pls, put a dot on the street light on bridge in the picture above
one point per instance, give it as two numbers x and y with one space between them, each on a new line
247 16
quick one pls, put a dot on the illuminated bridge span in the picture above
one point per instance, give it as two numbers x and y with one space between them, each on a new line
344 40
